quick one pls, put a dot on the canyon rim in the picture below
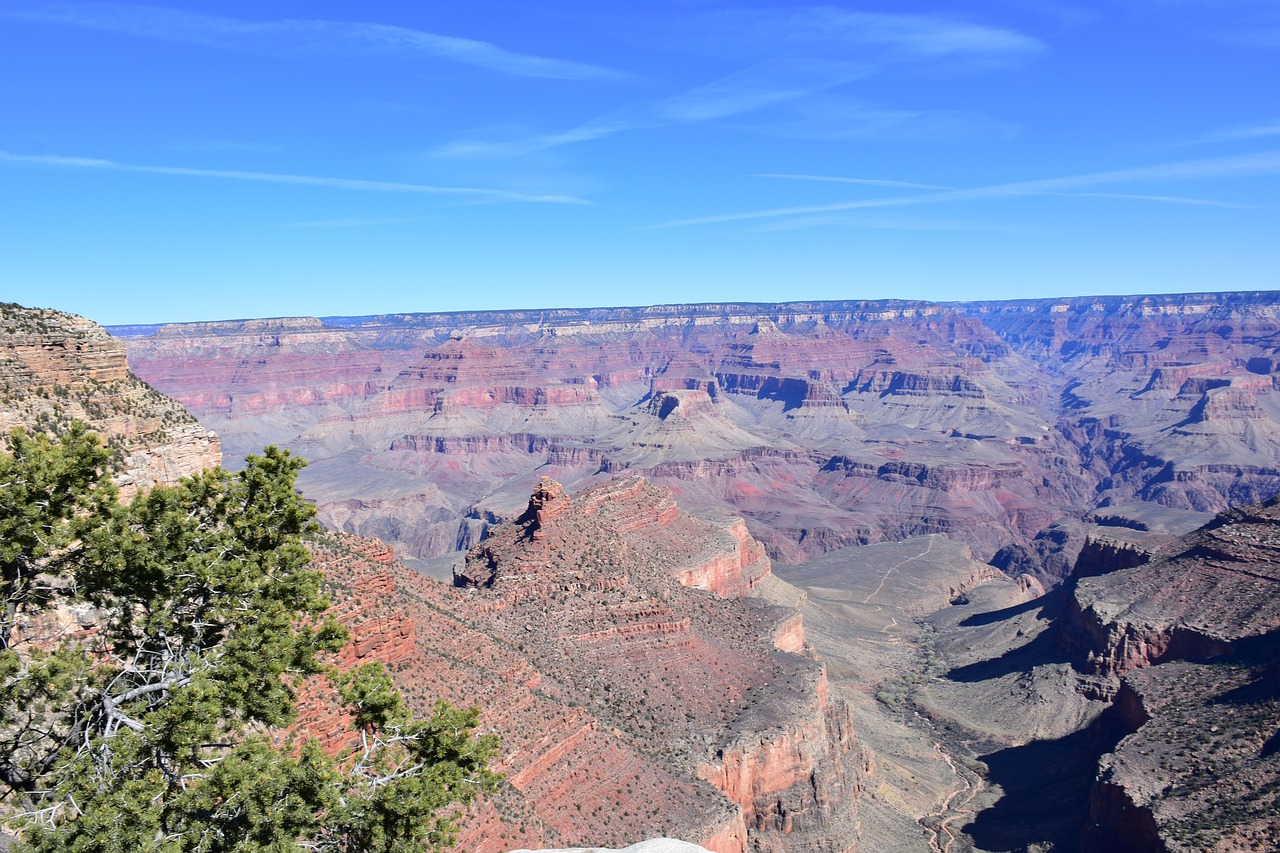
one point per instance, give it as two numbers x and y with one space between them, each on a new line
828 576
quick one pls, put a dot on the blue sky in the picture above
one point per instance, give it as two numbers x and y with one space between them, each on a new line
192 161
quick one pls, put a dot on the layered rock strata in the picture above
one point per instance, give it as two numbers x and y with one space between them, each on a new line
1195 634
1218 586
824 425
653 845
56 368
637 693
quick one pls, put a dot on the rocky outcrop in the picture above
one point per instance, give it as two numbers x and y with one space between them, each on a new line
590 534
1193 632
792 392
1102 554
895 382
730 574
56 367
789 780
613 680
947 478
1192 773
617 590
1214 589
1117 823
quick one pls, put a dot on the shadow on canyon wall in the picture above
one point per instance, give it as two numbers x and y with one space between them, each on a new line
1046 788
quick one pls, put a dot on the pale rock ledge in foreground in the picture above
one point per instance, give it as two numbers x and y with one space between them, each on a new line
653 845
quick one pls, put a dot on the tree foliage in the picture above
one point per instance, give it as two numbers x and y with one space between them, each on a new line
50 493
154 732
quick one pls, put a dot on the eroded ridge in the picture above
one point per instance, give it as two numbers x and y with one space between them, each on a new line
636 689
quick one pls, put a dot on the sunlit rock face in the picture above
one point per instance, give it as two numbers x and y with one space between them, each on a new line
639 688
823 425
56 367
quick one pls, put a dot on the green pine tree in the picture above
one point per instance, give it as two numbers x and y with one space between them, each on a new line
154 734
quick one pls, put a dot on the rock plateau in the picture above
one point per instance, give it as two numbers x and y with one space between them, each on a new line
824 425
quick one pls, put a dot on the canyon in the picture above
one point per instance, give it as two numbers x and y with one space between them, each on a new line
609 636
830 576
823 425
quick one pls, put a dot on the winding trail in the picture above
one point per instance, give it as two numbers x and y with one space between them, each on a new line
950 810
968 784
899 565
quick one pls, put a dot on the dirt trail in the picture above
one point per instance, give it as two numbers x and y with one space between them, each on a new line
955 806
896 566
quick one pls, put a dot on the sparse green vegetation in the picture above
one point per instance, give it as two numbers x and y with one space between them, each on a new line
147 656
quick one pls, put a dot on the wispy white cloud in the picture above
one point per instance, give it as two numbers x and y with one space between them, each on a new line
276 178
872 182
598 128
798 57
1265 163
1167 199
836 116
917 35
825 30
887 223
761 86
1260 163
342 40
764 85
1239 133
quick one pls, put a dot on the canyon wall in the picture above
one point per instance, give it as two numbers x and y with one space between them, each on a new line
1205 594
822 424
1195 633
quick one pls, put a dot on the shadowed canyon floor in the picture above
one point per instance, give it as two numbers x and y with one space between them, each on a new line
1133 709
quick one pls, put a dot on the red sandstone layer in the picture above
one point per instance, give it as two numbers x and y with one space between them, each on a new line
616 689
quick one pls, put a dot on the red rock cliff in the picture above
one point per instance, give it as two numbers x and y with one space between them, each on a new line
618 591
